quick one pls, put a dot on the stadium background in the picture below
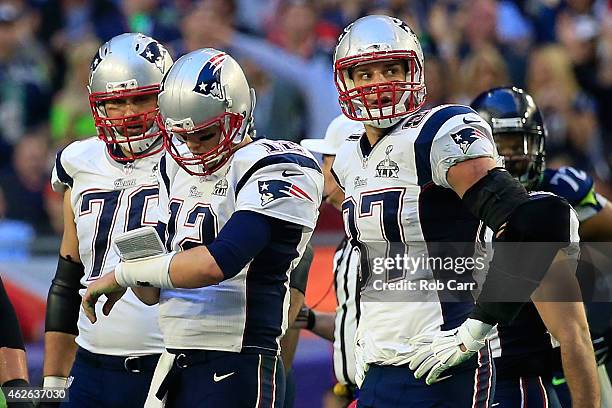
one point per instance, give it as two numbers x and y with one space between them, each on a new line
560 51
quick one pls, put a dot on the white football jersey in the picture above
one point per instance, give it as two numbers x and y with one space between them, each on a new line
249 311
109 198
397 191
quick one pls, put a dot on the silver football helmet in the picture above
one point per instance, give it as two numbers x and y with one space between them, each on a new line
205 88
374 39
127 66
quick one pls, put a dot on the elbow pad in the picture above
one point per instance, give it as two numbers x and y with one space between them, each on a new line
299 276
64 300
494 197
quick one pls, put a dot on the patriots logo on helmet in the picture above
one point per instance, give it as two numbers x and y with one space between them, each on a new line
209 78
345 32
401 24
95 62
155 55
271 190
466 136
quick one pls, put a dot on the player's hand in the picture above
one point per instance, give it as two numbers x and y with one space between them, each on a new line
435 353
106 285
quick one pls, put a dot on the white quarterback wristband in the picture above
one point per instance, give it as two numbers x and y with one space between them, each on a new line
52 381
152 271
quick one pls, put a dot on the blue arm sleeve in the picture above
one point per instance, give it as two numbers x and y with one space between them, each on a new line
244 236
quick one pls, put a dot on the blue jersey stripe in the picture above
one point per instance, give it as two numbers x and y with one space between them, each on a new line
63 176
277 159
164 173
422 145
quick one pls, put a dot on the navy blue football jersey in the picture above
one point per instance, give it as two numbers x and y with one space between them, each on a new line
576 186
525 347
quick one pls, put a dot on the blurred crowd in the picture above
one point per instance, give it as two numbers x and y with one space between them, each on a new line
560 51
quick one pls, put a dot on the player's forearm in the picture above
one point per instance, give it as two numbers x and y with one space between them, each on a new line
325 323
567 322
13 364
288 346
295 304
194 268
580 371
60 352
190 269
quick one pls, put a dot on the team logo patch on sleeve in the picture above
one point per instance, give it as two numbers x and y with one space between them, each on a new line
466 136
271 190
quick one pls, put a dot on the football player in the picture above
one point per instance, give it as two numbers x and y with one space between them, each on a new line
523 351
239 213
338 327
110 186
425 179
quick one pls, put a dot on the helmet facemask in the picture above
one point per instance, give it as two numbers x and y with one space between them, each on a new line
228 125
523 154
394 100
137 135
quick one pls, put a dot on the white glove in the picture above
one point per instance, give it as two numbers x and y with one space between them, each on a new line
437 352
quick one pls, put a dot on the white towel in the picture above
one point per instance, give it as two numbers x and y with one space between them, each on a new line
161 370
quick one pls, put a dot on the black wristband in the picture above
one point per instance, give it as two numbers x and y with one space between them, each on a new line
18 382
22 403
312 319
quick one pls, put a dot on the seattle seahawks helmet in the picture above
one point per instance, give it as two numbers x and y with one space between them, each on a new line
129 65
371 39
205 88
518 130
